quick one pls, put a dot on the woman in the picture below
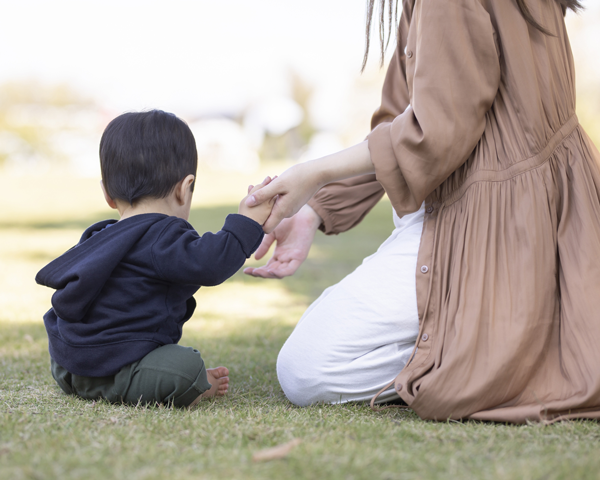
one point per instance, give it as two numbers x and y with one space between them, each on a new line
496 192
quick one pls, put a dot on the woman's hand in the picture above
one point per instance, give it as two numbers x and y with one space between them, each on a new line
294 236
295 187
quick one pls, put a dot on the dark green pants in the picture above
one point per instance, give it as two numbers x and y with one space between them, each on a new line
171 374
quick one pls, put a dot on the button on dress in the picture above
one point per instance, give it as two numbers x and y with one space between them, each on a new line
478 121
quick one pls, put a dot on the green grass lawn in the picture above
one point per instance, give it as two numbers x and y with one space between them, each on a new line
241 324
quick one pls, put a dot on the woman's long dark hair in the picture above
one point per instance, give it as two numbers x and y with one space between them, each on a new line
389 9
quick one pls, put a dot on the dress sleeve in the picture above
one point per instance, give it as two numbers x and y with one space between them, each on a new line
343 205
453 74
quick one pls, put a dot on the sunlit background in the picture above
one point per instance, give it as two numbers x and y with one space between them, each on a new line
257 80
262 83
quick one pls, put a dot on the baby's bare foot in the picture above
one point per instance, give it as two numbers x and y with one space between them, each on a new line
219 379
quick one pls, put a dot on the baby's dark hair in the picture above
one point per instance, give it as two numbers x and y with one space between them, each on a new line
145 154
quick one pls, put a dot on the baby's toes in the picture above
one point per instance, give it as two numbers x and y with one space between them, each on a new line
223 390
223 386
219 372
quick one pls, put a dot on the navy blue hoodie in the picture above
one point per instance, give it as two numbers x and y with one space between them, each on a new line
125 290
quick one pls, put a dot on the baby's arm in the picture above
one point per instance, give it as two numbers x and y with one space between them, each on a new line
261 212
184 257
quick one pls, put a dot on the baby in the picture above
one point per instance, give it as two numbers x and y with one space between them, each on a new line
125 290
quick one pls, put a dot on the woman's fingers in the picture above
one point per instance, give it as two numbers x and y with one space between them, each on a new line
263 271
277 215
250 271
265 182
264 246
261 195
283 263
284 269
258 272
274 269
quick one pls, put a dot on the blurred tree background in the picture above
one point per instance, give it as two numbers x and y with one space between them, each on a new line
291 96
44 125
53 126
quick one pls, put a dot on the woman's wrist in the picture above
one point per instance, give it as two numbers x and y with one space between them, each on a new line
351 162
312 218
319 172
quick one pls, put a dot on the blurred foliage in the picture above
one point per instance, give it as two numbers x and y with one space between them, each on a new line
33 115
279 147
293 142
302 93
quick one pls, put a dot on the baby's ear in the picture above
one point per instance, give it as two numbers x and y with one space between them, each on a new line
183 190
110 201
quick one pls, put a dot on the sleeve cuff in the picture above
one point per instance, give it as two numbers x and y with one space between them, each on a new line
326 221
248 232
387 170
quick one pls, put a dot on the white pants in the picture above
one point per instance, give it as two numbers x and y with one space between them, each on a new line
358 335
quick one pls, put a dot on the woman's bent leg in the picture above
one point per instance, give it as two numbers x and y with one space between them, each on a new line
358 335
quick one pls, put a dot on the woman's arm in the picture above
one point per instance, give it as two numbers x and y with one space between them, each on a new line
339 205
453 73
298 184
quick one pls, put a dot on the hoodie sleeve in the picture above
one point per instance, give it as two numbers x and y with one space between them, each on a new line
181 255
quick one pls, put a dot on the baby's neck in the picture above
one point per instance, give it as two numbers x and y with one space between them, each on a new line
165 206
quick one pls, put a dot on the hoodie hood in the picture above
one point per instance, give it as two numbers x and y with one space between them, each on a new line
80 273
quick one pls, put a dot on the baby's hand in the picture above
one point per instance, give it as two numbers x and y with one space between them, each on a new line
261 212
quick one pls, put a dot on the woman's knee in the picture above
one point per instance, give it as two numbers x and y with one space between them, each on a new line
290 379
300 376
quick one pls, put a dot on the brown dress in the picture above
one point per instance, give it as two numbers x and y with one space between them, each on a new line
478 120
